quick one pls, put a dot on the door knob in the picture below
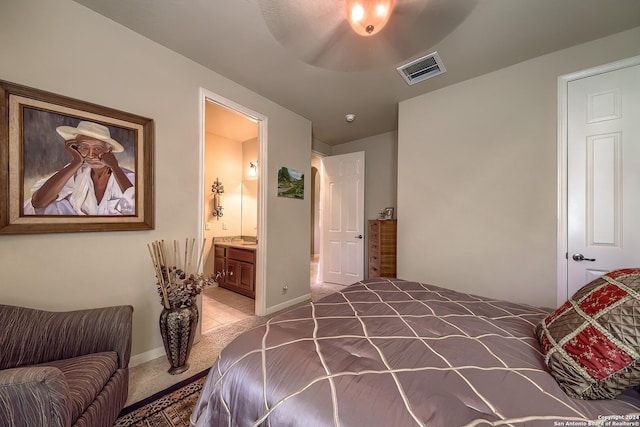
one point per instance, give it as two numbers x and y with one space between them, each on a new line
580 257
359 236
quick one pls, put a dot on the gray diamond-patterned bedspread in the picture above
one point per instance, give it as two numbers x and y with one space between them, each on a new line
388 352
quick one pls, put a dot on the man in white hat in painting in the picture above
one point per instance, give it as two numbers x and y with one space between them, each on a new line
92 184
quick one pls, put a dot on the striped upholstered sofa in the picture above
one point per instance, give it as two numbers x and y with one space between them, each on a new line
63 368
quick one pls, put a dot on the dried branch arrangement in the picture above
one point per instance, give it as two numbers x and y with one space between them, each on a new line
178 278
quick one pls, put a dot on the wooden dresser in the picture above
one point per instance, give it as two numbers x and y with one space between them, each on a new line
382 247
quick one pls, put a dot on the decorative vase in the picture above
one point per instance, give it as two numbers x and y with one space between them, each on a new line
178 327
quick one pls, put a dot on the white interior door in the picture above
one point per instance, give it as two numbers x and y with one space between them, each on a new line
342 246
603 175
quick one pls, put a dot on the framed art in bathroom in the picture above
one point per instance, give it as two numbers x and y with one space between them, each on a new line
71 166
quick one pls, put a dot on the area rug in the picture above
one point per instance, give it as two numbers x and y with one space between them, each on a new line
168 408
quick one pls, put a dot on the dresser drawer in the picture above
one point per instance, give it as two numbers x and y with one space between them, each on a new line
374 248
382 248
373 271
373 261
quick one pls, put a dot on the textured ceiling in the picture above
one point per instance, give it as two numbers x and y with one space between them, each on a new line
298 53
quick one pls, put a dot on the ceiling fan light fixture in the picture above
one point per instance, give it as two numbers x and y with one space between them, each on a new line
368 17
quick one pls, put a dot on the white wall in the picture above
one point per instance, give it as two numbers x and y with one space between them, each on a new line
321 147
249 189
477 172
381 170
223 161
62 47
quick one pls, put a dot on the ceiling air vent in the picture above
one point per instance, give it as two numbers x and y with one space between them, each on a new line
422 68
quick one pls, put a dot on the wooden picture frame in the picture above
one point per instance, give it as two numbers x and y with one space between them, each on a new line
72 156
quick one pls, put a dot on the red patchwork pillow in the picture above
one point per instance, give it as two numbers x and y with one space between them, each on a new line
591 344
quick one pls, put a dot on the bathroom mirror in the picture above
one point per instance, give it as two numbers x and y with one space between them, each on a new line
249 224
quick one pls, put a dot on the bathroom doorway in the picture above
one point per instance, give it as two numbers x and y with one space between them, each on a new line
232 139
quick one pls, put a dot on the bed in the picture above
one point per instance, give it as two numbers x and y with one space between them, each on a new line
389 352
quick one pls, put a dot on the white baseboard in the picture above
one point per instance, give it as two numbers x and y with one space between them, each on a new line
288 304
141 358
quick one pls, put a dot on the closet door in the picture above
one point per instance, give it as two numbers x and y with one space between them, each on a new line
603 177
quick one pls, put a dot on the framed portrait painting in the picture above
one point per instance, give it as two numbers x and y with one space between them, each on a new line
70 166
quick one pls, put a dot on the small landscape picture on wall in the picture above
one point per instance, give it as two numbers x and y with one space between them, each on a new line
290 183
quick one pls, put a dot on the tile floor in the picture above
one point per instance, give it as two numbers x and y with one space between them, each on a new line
220 307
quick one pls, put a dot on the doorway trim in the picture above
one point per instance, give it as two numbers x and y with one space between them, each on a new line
562 156
262 121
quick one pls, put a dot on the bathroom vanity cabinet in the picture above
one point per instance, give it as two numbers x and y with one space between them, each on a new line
235 268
